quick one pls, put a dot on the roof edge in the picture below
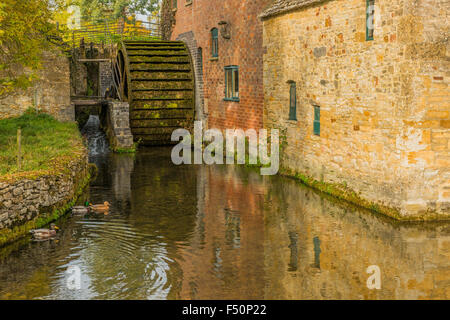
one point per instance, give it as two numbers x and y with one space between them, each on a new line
272 11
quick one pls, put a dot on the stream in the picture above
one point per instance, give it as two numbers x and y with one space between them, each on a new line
221 232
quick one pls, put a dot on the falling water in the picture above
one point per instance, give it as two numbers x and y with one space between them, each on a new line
97 142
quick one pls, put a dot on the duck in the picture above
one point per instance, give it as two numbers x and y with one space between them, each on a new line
80 210
100 208
44 234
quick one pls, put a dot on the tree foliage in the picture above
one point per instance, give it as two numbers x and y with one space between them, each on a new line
96 10
24 30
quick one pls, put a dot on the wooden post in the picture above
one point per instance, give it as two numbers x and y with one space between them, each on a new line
19 147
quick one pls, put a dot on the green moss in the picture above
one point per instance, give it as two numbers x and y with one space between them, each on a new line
133 149
343 192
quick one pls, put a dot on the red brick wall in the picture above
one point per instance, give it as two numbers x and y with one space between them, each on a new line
244 49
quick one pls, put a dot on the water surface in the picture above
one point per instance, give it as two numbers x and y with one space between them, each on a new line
223 232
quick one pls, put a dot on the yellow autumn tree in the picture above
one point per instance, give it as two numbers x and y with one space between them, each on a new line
25 29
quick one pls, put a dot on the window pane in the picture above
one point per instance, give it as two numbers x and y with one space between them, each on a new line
293 102
215 42
229 84
370 18
317 113
317 120
236 83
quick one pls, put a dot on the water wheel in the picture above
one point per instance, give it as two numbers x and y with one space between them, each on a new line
157 79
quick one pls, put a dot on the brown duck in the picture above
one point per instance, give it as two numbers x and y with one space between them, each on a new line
43 234
100 208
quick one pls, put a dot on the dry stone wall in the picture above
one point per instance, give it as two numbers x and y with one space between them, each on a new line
25 199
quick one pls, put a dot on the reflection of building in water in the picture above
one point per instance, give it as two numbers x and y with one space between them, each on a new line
226 257
122 166
278 240
337 244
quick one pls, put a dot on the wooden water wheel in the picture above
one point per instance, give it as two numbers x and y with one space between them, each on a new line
157 79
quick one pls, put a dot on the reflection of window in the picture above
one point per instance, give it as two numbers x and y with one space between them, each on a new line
293 101
370 11
317 120
232 83
233 228
215 42
317 252
293 263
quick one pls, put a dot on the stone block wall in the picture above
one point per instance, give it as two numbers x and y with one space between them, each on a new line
25 199
106 77
50 93
115 119
193 22
384 104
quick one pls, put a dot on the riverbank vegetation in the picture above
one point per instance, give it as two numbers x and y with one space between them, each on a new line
46 144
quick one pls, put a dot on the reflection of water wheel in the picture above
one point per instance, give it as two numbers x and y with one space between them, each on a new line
157 79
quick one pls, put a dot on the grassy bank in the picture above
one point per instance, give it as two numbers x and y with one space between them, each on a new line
48 148
47 144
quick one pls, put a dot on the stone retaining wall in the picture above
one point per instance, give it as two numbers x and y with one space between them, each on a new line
39 199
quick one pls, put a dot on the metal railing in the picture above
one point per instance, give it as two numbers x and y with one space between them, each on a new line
109 33
115 31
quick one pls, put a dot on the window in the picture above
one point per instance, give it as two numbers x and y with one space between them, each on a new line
232 83
292 101
370 12
215 42
174 4
317 120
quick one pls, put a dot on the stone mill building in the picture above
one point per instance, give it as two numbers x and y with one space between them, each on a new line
357 88
360 89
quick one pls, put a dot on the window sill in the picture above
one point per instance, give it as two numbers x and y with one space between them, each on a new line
174 10
214 59
231 99
188 3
